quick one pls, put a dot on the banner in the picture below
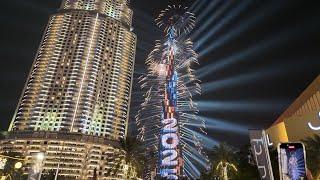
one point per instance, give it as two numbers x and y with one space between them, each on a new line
259 148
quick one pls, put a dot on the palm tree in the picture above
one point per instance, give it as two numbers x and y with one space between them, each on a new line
246 169
313 159
223 160
129 158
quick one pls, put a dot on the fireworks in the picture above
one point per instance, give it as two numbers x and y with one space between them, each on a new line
168 109
177 16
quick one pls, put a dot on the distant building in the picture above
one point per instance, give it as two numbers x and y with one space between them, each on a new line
301 119
75 104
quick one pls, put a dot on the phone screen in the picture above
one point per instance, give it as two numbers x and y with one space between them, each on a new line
292 161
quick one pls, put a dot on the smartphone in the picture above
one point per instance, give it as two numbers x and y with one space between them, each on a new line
292 161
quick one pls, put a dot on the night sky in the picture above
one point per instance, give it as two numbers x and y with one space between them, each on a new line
256 57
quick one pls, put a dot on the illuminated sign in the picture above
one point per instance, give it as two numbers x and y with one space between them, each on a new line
169 147
169 142
315 128
269 141
259 148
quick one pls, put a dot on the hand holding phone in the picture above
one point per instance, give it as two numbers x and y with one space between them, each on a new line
292 161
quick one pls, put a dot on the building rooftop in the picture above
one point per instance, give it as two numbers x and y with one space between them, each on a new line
293 109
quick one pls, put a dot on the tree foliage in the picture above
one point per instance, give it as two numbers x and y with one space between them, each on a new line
224 153
129 156
246 170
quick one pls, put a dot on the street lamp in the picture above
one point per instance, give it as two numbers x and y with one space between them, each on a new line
18 165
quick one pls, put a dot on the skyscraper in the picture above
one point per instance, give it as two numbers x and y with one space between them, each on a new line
168 123
79 87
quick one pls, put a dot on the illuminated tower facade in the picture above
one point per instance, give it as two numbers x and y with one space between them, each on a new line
168 112
77 96
81 78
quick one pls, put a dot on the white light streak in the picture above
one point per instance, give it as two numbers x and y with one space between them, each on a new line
84 73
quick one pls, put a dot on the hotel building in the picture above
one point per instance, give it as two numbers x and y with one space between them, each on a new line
75 103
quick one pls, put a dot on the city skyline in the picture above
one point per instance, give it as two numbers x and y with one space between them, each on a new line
224 106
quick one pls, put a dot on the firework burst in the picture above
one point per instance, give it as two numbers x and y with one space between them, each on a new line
178 16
